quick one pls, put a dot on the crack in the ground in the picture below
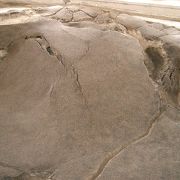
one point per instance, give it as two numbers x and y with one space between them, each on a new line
63 19
75 72
93 17
162 108
53 13
45 45
87 50
111 155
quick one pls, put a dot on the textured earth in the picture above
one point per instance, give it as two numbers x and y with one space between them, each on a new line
88 94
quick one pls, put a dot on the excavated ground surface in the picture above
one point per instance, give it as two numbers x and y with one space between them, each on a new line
88 93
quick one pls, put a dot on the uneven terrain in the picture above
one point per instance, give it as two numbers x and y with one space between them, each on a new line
88 94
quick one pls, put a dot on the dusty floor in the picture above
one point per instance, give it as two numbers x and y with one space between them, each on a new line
88 93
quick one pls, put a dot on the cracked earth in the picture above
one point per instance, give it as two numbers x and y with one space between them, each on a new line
88 94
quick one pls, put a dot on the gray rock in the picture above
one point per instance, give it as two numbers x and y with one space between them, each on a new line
93 12
63 102
81 16
171 30
78 101
130 22
65 15
158 26
149 32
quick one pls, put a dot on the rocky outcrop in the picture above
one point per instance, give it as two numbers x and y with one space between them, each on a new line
88 93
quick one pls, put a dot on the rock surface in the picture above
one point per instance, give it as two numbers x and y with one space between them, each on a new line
88 93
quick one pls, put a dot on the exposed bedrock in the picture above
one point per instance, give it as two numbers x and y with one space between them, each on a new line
87 94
